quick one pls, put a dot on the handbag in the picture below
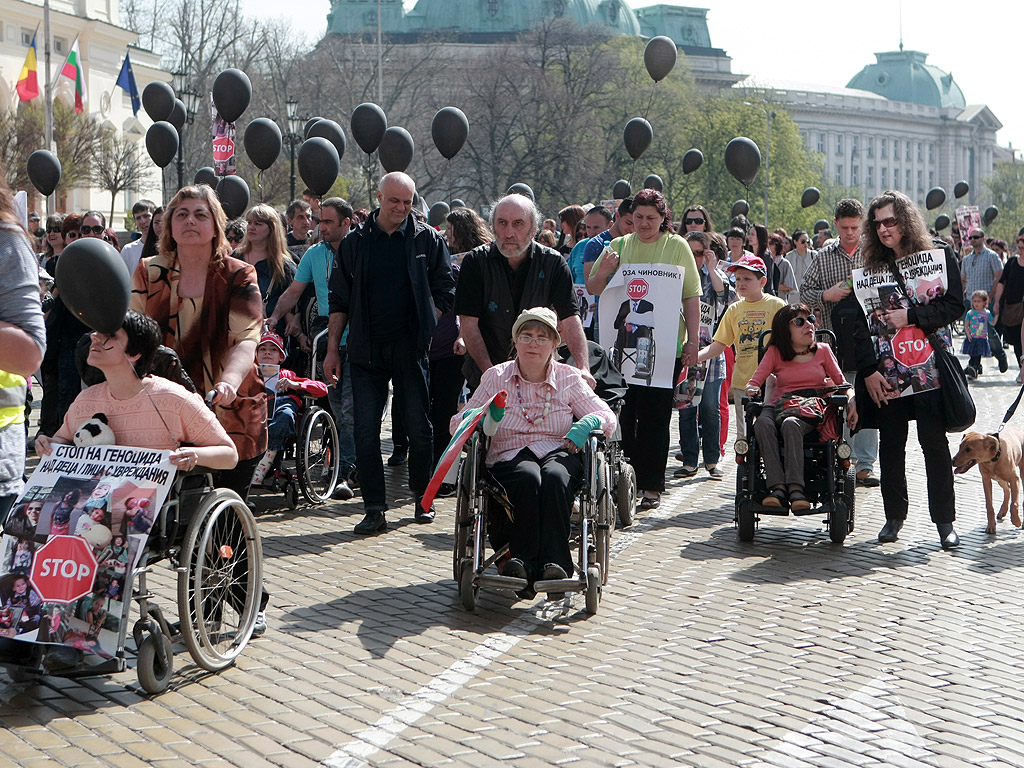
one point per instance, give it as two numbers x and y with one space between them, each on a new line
1012 314
810 408
958 409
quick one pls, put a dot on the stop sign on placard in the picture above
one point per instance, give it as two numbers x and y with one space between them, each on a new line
637 289
911 347
63 569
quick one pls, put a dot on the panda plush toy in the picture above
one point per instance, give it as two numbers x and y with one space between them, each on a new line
95 431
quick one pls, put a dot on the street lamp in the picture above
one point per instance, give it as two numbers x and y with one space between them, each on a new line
191 101
293 138
768 115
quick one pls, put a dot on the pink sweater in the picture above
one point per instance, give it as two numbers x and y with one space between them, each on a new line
791 375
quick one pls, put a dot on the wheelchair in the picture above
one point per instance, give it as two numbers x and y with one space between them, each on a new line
313 451
209 537
829 482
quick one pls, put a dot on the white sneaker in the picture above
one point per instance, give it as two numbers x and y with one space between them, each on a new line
261 624
342 492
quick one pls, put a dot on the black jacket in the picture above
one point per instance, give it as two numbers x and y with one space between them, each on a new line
430 271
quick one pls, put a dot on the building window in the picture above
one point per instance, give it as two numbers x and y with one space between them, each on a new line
871 146
853 175
853 147
908 150
931 153
931 179
821 143
839 174
907 185
558 8
26 37
60 46
492 7
869 180
895 149
885 176
839 144
920 153
885 149
920 181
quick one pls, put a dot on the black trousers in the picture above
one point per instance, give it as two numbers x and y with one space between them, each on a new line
541 492
645 419
926 409
446 381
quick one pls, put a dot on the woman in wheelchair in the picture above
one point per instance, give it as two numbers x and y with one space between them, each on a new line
535 454
142 410
799 363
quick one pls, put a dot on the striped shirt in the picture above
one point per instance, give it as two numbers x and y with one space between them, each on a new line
832 265
564 390
980 271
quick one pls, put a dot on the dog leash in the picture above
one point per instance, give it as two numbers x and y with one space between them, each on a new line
1012 409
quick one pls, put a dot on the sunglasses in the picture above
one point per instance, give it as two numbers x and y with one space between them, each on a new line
976 237
800 322
97 230
696 252
888 223
805 241
55 229
234 239
71 235
693 221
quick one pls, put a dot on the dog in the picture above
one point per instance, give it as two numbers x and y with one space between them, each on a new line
1000 458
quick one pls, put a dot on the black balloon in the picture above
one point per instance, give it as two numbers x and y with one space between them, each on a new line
740 208
621 189
960 189
521 189
660 57
692 160
207 176
330 130
821 224
457 203
234 195
178 115
262 141
319 164
438 213
158 100
449 129
654 182
810 197
989 215
936 196
309 124
94 283
368 125
637 136
743 160
231 94
162 143
44 171
396 149
941 222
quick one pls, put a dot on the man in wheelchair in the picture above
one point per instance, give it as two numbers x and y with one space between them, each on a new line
804 369
535 454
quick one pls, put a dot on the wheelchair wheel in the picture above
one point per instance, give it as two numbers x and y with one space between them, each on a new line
468 591
605 518
745 521
463 529
220 575
593 589
316 456
625 494
154 675
849 496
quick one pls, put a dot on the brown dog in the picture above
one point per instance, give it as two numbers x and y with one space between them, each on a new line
999 458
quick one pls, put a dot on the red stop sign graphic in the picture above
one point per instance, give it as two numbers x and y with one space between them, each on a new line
63 569
637 289
223 149
911 347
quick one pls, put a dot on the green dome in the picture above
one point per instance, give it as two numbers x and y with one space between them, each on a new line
477 19
904 76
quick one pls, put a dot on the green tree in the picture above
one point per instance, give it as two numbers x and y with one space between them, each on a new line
1005 188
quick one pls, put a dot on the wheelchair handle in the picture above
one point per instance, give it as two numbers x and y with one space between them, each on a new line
314 344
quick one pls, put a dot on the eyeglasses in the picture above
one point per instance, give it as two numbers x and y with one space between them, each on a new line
71 235
97 230
888 223
54 229
805 241
696 252
693 221
799 322
234 238
976 237
526 339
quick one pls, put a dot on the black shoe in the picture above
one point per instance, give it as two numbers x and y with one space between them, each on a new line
424 515
947 535
890 531
398 456
373 522
551 572
514 568
445 490
1004 365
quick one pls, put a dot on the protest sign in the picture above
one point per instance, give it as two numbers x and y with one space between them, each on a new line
968 217
587 302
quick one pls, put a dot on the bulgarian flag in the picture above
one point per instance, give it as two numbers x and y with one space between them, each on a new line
490 413
73 69
28 80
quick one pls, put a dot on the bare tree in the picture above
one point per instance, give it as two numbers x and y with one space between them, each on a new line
119 166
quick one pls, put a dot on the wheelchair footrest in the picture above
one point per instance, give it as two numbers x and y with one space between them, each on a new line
559 585
501 582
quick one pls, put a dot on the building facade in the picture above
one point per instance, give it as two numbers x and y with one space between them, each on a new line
102 44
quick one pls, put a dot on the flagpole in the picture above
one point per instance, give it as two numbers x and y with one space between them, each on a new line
48 95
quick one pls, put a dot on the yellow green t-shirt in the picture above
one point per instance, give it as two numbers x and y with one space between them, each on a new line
667 249
741 326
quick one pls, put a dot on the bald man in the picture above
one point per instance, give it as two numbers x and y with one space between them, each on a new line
392 281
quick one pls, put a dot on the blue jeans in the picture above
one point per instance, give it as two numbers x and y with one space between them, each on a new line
693 437
282 424
340 399
400 363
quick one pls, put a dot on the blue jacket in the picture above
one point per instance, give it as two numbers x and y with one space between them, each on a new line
430 271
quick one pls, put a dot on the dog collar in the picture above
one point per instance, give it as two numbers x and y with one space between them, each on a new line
999 448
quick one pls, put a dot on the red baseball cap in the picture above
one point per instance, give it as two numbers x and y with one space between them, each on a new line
751 263
269 337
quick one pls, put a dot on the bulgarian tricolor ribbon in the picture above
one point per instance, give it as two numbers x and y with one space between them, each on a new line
490 413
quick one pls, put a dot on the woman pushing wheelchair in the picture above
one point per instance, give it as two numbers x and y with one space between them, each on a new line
535 453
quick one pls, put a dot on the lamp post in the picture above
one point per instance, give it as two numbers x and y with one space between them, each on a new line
768 115
191 101
293 138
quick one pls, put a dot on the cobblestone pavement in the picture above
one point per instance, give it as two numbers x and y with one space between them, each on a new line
788 651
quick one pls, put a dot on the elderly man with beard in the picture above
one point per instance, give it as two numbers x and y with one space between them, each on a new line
501 279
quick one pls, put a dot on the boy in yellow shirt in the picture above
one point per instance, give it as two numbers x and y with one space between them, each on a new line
741 326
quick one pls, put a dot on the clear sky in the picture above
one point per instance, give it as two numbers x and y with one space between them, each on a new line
828 43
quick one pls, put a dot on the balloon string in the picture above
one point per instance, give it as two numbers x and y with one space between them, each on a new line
259 183
632 170
449 173
650 102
